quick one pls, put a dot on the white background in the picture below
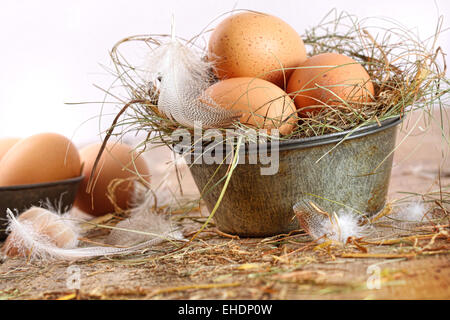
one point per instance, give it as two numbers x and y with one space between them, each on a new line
51 51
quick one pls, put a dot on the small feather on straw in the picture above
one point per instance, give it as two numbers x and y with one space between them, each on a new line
39 234
144 222
321 225
48 236
414 211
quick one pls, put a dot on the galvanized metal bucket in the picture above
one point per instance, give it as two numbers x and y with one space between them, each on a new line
354 173
60 194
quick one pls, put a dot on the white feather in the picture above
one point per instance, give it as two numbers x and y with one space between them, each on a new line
184 76
146 229
338 227
145 222
343 225
411 212
41 248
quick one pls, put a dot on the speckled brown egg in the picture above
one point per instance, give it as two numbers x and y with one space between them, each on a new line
44 157
118 162
6 144
253 44
329 78
261 103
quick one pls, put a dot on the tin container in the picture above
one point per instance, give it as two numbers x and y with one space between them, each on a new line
354 172
60 194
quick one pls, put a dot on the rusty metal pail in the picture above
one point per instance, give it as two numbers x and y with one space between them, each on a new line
355 173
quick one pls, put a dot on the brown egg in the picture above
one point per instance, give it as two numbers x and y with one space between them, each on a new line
254 45
44 157
116 163
263 104
341 75
6 144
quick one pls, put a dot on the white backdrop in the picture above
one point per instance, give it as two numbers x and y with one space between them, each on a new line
52 51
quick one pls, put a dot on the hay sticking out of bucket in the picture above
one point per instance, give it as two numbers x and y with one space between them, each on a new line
408 73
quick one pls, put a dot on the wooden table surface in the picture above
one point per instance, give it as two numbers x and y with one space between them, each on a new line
222 268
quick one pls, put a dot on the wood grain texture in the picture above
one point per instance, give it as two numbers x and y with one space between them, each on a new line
219 267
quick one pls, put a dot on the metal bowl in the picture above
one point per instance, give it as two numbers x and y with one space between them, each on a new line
356 174
60 194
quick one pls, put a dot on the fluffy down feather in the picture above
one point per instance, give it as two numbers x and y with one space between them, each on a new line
411 212
42 235
145 222
337 226
184 76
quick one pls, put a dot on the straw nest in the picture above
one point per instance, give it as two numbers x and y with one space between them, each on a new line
408 74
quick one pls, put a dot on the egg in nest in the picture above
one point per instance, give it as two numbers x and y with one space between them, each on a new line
252 44
261 103
331 79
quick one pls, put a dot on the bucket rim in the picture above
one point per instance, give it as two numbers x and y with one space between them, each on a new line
302 143
339 136
24 187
